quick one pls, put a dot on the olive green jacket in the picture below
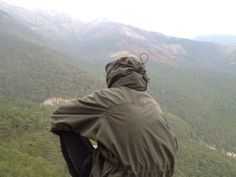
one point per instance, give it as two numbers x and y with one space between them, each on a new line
134 140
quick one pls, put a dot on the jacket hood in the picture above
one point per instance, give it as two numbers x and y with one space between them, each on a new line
127 71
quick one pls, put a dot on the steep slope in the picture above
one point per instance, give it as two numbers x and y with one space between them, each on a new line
113 37
53 27
32 70
206 99
96 40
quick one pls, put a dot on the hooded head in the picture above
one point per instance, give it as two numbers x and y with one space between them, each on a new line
127 70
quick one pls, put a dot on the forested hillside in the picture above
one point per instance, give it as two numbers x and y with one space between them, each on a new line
194 82
29 149
36 71
26 146
206 99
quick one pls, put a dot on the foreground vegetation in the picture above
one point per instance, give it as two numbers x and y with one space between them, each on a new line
28 149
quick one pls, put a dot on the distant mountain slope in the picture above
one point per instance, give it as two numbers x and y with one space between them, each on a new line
96 40
9 25
220 39
113 37
32 69
205 99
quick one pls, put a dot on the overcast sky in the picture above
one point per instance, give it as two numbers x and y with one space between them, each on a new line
181 18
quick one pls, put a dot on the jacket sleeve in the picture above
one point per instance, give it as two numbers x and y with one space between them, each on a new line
81 115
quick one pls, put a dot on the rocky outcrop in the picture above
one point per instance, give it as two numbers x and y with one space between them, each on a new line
55 101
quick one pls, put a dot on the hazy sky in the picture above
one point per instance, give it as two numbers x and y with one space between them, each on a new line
181 18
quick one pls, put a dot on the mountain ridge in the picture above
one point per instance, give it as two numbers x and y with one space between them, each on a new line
92 40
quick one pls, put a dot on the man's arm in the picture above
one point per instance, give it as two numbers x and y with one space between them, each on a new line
80 116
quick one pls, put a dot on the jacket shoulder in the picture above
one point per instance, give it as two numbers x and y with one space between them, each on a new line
105 97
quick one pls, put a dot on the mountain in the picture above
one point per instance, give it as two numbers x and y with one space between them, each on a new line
96 40
45 55
220 39
33 69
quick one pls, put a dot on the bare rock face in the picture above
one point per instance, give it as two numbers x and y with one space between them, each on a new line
55 101
231 154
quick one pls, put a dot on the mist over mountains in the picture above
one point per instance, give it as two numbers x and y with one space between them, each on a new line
82 39
45 55
220 39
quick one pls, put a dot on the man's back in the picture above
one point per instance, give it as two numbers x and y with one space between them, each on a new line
133 138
